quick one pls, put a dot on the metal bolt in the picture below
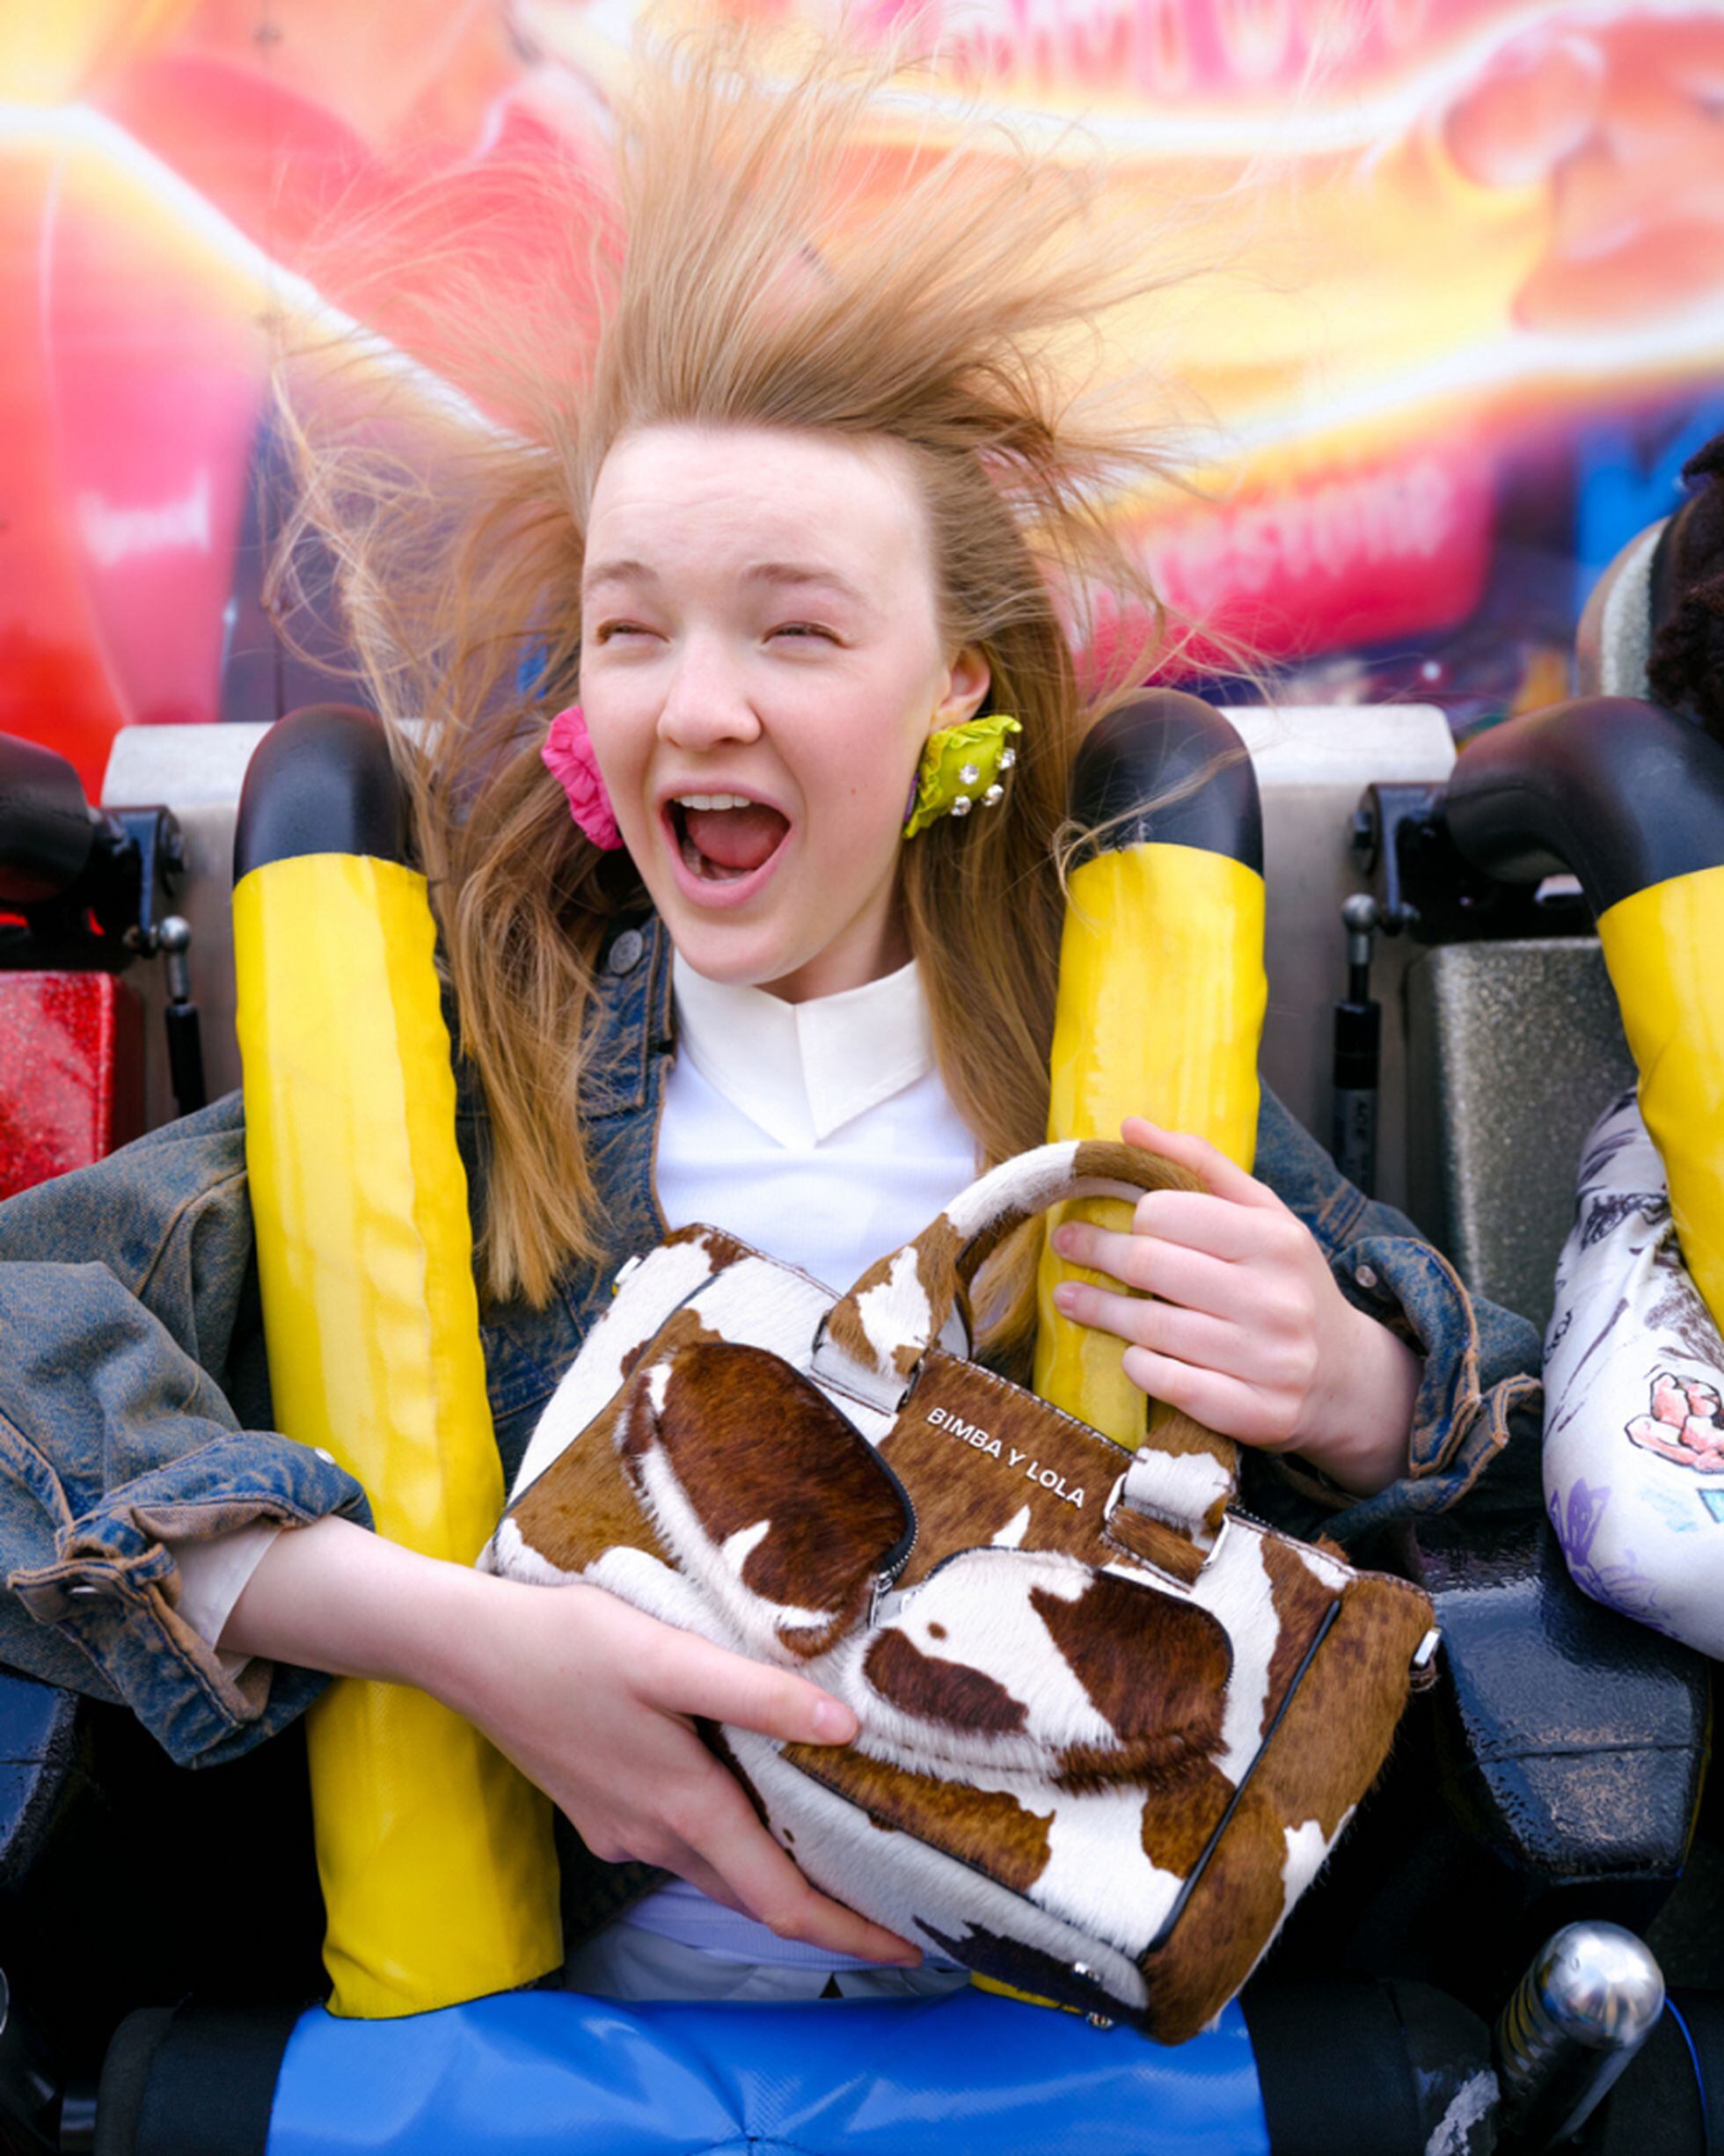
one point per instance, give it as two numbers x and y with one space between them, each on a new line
173 939
1358 913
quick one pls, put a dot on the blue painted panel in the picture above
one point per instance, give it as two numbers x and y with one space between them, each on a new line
542 2073
1623 484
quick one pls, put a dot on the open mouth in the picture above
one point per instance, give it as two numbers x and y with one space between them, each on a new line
724 837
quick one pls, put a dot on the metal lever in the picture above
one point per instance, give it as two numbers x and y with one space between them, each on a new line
1358 1051
1590 1999
173 939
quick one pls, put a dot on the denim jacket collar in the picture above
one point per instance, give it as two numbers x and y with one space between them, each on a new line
632 1027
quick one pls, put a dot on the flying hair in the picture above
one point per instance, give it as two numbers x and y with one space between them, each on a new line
781 236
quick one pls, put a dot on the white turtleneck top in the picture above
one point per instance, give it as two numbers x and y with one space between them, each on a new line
818 1131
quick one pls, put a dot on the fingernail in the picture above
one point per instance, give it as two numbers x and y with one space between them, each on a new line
1065 1295
1063 1239
834 1723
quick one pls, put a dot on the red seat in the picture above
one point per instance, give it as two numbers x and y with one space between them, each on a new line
71 1072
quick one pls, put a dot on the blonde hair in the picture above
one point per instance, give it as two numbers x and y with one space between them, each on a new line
784 252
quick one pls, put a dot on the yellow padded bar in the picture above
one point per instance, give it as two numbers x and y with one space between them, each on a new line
438 1870
1662 947
1160 1011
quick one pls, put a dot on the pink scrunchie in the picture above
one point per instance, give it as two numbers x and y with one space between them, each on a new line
568 756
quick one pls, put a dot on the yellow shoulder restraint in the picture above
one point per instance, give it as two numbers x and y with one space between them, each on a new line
438 1872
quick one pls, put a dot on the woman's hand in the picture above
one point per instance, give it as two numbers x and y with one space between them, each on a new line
1250 1334
591 1699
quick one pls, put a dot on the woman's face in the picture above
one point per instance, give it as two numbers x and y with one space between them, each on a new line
761 664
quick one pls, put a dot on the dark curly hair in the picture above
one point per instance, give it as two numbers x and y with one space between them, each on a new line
1686 668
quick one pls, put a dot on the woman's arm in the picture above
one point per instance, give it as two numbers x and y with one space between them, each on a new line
134 1422
592 1700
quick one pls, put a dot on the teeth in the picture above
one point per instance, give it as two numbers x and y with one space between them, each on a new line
714 801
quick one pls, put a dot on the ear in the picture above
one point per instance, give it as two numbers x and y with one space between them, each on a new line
968 680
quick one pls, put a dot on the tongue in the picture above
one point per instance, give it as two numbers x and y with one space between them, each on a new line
737 838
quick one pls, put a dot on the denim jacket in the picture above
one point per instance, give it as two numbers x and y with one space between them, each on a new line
134 1400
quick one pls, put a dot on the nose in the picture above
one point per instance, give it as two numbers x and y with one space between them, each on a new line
707 706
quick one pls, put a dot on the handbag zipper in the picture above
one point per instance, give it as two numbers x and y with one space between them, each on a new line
898 1556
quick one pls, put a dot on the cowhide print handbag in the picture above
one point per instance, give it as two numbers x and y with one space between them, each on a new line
1110 1727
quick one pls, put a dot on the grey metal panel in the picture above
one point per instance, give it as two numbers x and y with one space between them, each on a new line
1512 1051
1312 764
195 771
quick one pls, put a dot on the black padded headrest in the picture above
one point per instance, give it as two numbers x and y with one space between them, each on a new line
1621 793
45 828
1167 767
321 781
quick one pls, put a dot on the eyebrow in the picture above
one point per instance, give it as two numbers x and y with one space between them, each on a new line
616 572
803 573
787 573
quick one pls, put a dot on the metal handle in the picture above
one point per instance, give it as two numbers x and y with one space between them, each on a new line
1588 2002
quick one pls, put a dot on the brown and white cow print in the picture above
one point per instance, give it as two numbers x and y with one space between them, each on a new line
1102 1778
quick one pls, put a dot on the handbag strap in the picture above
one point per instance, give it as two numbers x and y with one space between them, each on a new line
873 1339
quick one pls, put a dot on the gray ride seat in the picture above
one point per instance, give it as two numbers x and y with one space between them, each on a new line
1514 1049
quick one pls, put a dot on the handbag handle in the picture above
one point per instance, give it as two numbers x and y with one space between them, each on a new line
873 1339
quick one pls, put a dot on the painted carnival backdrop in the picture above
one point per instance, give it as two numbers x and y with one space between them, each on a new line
1462 319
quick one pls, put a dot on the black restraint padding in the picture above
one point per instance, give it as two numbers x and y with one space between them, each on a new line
197 2081
1333 2067
1622 793
46 833
1170 756
320 781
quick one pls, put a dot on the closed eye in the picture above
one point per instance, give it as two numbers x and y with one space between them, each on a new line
609 630
805 629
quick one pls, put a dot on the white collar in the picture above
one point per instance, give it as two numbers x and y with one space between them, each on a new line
801 1070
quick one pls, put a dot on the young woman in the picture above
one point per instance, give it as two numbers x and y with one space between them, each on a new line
825 481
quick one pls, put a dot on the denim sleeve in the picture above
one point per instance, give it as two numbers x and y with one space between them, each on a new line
130 1360
1478 1415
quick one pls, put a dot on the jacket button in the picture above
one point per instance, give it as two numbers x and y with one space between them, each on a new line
626 952
1365 1276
